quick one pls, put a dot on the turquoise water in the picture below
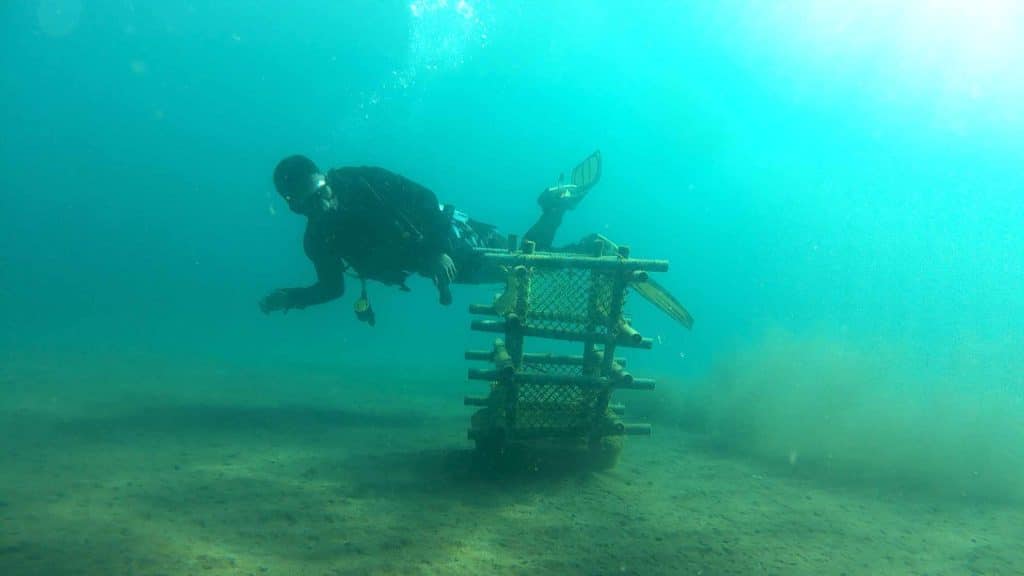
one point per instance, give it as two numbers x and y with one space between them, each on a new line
838 189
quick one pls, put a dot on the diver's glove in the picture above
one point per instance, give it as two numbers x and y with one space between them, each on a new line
444 268
276 300
444 272
444 292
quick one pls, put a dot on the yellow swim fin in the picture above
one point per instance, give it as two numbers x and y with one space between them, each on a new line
587 173
651 291
656 294
564 196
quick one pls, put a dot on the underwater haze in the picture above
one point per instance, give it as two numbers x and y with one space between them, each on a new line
837 186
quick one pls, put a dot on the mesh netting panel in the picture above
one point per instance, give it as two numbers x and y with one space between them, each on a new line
554 406
562 299
575 300
547 368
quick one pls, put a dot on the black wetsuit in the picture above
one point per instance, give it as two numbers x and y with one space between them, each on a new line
385 228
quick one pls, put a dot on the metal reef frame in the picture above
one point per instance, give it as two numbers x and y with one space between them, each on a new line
544 395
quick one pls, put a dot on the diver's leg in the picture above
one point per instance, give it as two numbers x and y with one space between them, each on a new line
542 233
554 201
585 245
471 265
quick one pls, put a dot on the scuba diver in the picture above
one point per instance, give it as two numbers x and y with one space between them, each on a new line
377 225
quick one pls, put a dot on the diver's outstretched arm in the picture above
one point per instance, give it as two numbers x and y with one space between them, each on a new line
330 285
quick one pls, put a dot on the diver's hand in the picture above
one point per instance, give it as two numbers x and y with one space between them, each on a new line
444 268
444 292
276 300
444 274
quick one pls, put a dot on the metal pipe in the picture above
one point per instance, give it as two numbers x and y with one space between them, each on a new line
487 309
499 355
498 326
637 384
480 355
629 333
564 379
486 375
557 360
553 260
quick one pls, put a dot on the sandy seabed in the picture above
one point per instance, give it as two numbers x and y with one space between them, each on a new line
209 472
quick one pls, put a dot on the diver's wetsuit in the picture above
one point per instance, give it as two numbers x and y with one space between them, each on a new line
468 234
387 227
